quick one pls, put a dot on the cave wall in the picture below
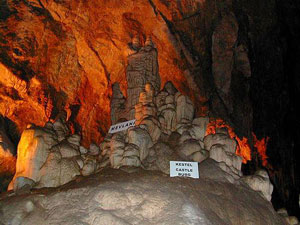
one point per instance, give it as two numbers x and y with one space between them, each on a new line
236 59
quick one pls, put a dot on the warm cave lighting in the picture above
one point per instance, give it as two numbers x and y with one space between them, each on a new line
7 163
242 149
261 146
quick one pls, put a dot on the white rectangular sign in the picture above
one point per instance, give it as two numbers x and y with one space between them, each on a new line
121 126
184 169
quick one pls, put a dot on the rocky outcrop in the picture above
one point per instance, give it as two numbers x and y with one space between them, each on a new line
142 69
260 182
291 220
116 197
167 130
51 156
65 54
223 150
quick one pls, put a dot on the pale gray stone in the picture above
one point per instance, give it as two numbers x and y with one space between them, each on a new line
199 126
88 168
218 153
260 182
74 139
83 150
68 150
140 138
94 149
58 171
191 150
23 182
229 145
147 198
184 108
61 129
152 125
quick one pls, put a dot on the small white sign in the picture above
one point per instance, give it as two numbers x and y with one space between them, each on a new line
184 169
121 126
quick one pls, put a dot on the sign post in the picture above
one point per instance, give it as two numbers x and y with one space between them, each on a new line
184 169
121 126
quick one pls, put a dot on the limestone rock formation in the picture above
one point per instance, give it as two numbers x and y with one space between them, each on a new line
50 157
291 220
116 197
117 103
224 39
142 69
165 102
159 157
33 150
66 54
222 149
260 182
160 118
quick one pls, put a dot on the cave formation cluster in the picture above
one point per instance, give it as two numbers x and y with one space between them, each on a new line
236 60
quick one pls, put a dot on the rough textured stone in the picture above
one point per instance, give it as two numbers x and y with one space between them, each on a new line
94 149
211 169
260 182
116 197
7 156
74 139
83 150
142 69
159 158
223 41
68 150
45 43
191 150
184 108
117 103
23 183
44 159
145 106
152 125
7 148
218 153
57 171
33 150
88 168
165 102
60 127
228 144
117 148
199 126
140 138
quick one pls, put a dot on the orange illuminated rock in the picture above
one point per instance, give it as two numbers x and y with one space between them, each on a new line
68 55
33 150
261 146
242 148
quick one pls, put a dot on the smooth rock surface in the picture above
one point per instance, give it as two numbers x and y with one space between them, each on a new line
116 197
33 150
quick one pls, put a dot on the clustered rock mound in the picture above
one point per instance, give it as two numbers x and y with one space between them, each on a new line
51 156
144 197
165 129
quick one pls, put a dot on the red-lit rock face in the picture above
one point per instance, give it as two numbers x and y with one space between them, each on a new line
68 54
